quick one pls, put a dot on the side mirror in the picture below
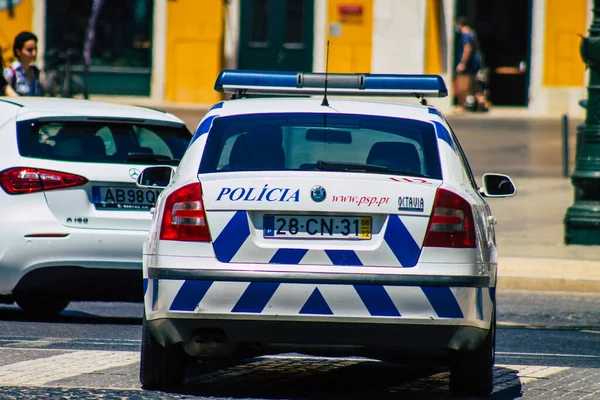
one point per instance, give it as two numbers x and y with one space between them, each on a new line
497 185
153 177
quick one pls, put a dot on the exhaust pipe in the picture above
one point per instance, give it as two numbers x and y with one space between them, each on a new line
209 342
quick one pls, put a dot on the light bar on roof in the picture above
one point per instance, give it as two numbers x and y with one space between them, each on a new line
311 83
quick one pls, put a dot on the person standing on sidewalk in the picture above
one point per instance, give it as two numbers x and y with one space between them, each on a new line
23 76
467 64
5 88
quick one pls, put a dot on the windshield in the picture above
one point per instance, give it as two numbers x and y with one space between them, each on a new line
322 142
103 142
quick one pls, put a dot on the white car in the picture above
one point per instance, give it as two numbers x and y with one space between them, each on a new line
73 219
325 226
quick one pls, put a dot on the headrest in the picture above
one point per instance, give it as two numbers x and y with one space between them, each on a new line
260 148
400 156
89 147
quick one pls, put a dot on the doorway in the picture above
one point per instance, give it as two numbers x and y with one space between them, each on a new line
504 33
276 35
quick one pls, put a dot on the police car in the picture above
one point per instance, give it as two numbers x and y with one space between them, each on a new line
73 219
300 220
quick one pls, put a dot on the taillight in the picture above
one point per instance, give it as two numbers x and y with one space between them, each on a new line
451 223
184 218
21 180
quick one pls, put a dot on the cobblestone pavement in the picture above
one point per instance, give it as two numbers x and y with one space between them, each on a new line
62 374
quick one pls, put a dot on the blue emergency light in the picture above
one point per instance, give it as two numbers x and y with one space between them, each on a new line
243 82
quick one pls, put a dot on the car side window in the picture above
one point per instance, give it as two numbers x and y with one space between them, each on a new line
463 159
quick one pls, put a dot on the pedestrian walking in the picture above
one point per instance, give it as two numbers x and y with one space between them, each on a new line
23 75
468 62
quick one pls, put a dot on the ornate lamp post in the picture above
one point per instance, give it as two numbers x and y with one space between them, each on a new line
582 220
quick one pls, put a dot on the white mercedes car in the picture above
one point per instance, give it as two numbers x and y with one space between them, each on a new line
73 219
322 225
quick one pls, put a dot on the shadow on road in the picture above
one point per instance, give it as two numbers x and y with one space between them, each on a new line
315 378
13 313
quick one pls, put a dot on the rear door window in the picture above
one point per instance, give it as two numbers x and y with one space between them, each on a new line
302 141
103 142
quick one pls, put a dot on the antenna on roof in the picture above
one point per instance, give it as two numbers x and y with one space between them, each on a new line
325 102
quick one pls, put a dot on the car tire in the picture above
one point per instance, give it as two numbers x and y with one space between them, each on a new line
41 306
472 372
160 367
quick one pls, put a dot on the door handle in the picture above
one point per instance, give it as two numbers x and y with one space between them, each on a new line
492 220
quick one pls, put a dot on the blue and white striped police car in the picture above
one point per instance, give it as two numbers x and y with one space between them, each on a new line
322 225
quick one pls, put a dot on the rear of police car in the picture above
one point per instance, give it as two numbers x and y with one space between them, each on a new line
317 226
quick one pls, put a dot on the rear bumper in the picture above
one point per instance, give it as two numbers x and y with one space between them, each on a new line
384 341
82 284
92 255
480 281
367 314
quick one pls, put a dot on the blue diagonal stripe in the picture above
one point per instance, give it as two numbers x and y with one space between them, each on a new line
288 256
443 133
218 105
232 237
316 304
154 294
401 242
343 257
435 111
203 128
443 301
255 297
479 294
145 283
190 294
377 300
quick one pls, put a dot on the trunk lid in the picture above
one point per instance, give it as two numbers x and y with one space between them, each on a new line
109 200
318 218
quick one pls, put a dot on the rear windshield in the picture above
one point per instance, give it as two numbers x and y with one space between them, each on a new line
103 142
302 141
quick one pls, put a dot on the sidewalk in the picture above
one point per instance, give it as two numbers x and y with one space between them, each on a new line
530 227
529 234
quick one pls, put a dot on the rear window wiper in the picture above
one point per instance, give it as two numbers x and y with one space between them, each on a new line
360 167
147 157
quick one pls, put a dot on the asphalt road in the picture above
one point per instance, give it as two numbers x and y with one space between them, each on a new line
547 343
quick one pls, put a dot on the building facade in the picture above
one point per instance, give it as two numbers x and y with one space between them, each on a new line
171 51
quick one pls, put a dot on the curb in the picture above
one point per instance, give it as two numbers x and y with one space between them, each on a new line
546 274
536 283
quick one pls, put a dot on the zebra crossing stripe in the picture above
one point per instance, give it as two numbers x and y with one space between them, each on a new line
529 373
43 370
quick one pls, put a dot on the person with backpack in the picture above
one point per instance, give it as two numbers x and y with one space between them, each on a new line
468 62
5 88
23 76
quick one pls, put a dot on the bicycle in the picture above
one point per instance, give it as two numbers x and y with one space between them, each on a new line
60 80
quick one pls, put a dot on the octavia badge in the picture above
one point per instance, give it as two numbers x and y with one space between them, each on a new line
318 193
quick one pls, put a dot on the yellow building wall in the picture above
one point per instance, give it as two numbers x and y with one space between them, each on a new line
351 35
433 37
21 20
565 21
194 48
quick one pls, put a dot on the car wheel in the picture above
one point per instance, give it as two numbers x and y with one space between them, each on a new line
160 367
42 306
472 372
